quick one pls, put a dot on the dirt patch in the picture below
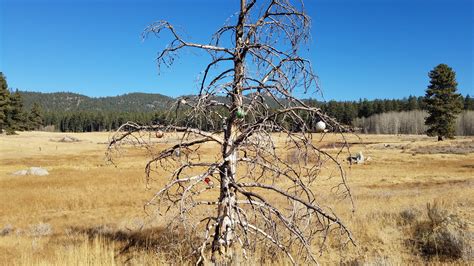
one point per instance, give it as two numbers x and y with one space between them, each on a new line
390 146
339 145
334 145
66 139
423 184
453 148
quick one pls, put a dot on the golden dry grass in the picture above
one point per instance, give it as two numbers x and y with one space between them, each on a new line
83 195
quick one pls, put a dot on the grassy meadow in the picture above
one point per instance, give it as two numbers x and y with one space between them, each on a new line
86 211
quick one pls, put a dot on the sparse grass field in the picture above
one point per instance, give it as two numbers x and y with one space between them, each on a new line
85 211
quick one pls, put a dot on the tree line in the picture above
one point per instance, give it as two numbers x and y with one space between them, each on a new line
442 115
410 122
14 116
347 112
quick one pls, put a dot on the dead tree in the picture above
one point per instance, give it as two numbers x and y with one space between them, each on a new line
251 193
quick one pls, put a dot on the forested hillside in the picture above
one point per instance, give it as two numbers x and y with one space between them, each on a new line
67 101
74 112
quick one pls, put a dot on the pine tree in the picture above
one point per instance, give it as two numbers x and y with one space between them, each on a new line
442 102
366 108
16 118
35 117
412 103
4 101
468 103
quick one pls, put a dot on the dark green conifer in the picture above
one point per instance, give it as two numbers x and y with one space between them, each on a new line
35 117
443 103
16 118
468 103
4 101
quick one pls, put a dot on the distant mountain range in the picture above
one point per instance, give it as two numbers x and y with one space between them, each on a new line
67 101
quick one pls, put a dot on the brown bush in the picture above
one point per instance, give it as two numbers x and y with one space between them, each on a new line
6 230
296 156
409 216
443 235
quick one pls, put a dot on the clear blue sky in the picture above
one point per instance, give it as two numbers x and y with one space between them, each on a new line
360 48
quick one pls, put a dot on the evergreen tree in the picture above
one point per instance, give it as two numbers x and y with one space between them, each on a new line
442 102
379 106
468 103
421 102
412 104
365 108
4 101
16 118
35 117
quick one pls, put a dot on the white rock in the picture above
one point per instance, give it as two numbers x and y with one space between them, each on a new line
21 172
38 171
68 139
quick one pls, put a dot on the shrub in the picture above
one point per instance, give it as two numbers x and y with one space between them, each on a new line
409 216
6 230
10 131
443 235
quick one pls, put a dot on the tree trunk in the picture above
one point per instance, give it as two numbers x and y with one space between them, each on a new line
227 217
440 138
